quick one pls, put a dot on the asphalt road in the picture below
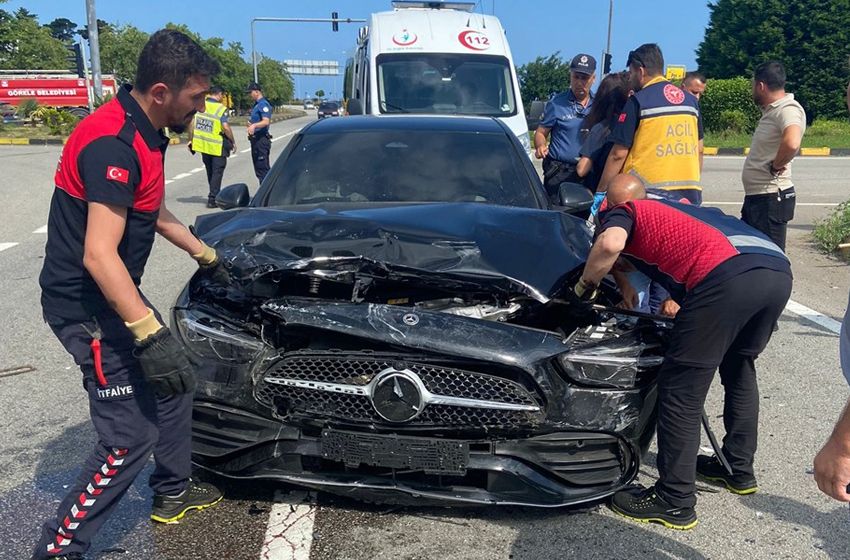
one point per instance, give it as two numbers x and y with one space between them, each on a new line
45 433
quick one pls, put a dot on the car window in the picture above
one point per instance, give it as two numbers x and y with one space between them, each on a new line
403 166
328 107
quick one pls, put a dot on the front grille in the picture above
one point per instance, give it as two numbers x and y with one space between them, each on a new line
335 387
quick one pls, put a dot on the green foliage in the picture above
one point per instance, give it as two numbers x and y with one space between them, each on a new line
543 77
734 122
834 229
275 80
727 96
827 128
57 122
810 37
120 48
25 44
320 93
27 107
62 28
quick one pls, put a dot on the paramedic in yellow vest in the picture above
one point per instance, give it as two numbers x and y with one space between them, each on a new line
211 136
658 136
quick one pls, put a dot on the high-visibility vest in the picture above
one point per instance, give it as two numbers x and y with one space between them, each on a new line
665 152
206 136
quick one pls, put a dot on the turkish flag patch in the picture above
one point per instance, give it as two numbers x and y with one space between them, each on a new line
117 174
622 118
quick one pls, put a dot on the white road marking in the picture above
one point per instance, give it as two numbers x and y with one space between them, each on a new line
276 138
182 176
42 229
811 315
4 246
290 532
197 169
245 151
168 181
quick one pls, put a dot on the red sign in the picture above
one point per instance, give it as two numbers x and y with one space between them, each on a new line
474 40
54 92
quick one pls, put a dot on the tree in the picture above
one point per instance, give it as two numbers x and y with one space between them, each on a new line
26 45
275 80
120 48
543 77
810 37
320 93
102 27
63 29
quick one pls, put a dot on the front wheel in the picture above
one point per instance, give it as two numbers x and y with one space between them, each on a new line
79 112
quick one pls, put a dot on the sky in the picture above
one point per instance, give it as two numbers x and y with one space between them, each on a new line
534 27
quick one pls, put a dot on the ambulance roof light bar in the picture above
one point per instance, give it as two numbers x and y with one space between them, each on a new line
459 6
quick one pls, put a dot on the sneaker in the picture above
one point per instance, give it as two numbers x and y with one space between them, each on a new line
211 203
644 505
198 495
710 468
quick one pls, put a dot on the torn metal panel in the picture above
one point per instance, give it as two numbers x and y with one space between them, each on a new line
455 246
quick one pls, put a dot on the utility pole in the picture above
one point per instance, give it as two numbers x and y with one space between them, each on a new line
94 49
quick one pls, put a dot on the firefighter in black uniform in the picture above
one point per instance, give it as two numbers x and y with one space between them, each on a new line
106 207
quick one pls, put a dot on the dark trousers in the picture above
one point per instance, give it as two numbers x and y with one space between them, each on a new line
725 326
556 172
215 166
260 148
770 213
131 423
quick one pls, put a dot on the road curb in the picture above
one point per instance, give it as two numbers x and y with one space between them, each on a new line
61 141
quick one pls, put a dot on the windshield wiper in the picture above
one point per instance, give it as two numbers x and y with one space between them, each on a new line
391 106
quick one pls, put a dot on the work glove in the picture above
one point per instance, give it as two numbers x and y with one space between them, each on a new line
164 363
211 266
582 296
597 202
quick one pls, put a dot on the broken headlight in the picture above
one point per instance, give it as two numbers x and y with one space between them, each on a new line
213 338
609 356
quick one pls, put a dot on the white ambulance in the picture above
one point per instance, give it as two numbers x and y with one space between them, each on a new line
435 58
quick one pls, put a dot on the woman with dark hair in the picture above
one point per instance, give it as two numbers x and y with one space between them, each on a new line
609 102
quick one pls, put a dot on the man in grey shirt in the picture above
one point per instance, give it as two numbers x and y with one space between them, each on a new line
769 196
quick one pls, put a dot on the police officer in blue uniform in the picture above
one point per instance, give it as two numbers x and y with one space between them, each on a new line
258 131
563 119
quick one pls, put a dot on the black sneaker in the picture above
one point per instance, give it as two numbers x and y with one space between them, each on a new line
710 468
198 495
211 203
644 505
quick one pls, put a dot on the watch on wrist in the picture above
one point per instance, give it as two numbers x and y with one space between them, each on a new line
774 171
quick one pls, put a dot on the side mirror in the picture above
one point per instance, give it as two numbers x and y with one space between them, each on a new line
233 196
355 107
535 114
573 198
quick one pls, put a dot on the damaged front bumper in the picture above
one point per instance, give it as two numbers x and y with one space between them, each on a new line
547 470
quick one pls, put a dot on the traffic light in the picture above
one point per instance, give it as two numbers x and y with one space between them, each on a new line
75 59
335 23
606 63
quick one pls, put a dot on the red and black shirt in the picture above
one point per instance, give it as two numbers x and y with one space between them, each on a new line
115 156
688 248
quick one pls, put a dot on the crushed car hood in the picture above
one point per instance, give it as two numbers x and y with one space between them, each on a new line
464 245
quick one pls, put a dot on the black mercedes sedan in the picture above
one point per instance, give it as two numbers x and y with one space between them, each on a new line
396 331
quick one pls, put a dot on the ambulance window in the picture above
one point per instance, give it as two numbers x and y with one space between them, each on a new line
445 83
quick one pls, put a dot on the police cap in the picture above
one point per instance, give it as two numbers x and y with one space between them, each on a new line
584 64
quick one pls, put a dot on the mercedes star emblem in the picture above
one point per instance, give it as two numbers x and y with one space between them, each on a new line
397 395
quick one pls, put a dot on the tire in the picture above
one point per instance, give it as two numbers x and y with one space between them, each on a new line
80 112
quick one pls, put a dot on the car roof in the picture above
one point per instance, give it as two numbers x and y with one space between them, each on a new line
446 123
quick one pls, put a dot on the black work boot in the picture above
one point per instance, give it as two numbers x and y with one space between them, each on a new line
197 495
710 468
644 505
